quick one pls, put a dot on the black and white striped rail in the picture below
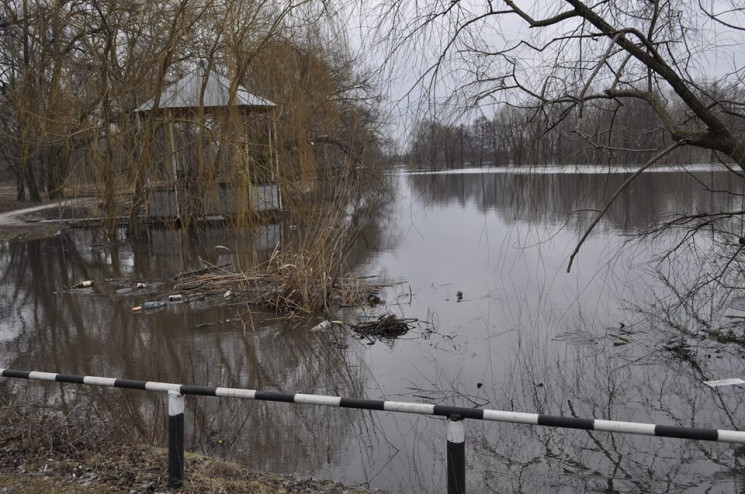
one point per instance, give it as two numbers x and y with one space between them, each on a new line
454 414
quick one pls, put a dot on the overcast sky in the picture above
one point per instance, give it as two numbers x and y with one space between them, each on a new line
402 43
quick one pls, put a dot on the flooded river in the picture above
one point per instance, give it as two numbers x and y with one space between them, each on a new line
601 341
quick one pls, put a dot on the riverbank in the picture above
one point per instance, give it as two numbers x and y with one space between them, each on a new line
45 451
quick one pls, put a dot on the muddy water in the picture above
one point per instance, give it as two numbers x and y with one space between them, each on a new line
525 336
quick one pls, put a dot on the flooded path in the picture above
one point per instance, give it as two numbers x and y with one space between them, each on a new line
481 258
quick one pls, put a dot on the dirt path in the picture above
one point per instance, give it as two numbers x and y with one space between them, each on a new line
14 218
23 220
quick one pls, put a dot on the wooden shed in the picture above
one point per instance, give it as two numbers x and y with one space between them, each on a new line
219 147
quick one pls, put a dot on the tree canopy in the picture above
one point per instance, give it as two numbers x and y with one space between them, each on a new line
73 71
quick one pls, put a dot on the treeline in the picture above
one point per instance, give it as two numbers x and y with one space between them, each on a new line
601 133
73 71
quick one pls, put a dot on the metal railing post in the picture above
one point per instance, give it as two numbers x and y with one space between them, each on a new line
175 439
456 453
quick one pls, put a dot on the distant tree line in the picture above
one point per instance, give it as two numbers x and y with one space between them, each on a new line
602 133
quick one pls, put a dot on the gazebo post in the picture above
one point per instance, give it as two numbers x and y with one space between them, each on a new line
174 163
274 150
247 162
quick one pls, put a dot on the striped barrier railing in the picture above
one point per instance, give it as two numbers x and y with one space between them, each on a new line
455 415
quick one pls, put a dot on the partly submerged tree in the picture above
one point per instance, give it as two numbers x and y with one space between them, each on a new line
682 60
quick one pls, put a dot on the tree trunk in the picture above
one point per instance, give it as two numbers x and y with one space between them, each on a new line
33 189
20 188
57 170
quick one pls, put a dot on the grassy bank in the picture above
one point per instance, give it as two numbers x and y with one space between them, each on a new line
45 451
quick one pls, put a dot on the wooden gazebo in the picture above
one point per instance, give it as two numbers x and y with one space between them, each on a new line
219 150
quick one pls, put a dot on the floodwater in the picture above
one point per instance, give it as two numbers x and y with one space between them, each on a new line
603 341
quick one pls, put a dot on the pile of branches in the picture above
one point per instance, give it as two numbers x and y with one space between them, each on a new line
385 327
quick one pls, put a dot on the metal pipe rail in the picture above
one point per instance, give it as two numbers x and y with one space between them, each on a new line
455 415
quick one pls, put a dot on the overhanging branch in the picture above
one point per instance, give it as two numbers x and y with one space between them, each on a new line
620 189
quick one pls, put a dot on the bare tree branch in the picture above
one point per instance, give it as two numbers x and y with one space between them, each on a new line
618 192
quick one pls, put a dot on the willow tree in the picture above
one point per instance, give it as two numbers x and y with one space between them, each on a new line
72 71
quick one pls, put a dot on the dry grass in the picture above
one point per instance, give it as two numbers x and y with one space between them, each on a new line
292 283
43 451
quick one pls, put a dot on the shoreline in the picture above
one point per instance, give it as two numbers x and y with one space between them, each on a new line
42 450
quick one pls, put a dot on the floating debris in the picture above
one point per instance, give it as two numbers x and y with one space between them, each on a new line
725 382
385 327
623 339
149 306
83 284
203 325
578 338
374 299
321 326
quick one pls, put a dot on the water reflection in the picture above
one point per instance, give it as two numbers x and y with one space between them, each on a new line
526 336
571 198
92 332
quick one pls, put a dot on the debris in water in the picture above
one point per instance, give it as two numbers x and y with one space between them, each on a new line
623 339
321 326
724 382
175 298
385 327
374 299
83 284
150 305
203 325
459 295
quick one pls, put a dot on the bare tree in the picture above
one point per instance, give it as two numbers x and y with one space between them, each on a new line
681 60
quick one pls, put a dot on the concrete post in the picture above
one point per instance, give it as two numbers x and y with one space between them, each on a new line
456 452
175 439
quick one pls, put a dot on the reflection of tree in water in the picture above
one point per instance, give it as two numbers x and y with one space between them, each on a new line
575 198
591 376
594 373
89 332
618 373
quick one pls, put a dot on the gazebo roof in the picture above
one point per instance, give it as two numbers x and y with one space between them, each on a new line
184 94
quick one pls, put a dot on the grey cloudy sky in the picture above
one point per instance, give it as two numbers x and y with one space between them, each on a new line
420 66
